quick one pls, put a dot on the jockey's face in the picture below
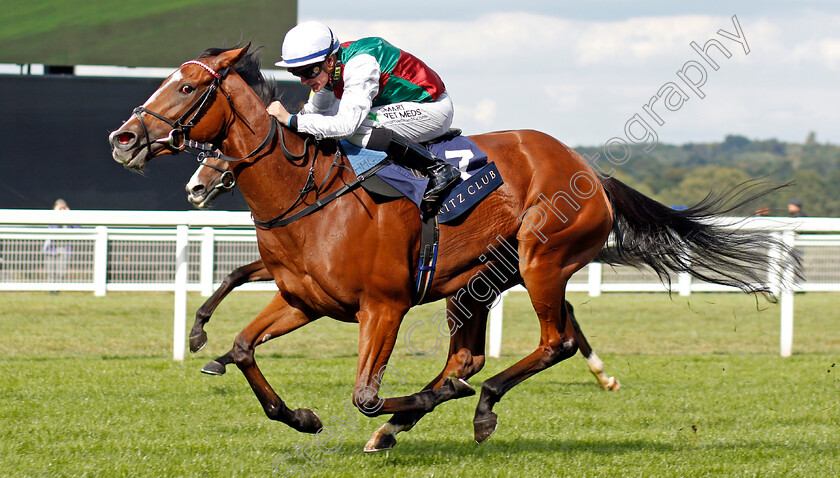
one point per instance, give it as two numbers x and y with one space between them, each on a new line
319 81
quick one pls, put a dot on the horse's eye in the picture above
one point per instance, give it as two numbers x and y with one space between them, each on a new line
187 89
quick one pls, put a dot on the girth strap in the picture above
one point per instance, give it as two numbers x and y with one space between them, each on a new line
429 239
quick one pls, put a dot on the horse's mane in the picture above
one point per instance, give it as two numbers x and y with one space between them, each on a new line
248 67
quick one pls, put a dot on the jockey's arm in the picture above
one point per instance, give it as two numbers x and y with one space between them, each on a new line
322 102
361 85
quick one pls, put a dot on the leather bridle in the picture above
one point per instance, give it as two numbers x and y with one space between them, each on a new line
176 140
227 181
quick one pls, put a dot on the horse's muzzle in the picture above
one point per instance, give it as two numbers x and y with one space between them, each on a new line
125 150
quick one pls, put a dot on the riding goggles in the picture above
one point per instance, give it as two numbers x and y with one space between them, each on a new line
309 71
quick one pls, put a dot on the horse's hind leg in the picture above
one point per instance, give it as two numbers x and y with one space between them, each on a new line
465 359
557 343
252 272
596 366
545 268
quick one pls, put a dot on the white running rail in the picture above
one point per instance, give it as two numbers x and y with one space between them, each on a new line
183 251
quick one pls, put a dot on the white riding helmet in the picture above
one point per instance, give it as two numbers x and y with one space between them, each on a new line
307 43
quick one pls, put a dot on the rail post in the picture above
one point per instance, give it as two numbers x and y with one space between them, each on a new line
788 284
100 261
596 272
496 317
180 326
208 240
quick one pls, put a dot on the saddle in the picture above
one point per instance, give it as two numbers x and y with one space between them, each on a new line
384 188
478 177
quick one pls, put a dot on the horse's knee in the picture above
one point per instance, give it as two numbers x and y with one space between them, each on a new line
242 352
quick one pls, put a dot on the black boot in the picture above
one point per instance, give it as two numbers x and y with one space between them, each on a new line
441 174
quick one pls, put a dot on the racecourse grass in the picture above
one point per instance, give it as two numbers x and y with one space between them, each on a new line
89 389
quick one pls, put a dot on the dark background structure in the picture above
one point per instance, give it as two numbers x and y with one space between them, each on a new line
54 126
54 142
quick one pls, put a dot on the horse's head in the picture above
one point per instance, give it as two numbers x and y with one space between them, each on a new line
185 106
213 177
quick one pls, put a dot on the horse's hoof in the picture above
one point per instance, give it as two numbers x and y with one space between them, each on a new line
485 427
461 387
307 421
380 442
197 342
613 385
213 368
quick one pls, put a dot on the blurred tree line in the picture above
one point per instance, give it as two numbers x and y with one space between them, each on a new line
683 175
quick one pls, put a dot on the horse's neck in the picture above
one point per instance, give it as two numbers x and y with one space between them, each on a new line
270 182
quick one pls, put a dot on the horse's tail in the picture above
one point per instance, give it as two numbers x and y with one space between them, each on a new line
693 240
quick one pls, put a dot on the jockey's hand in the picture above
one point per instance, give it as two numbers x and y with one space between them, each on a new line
277 110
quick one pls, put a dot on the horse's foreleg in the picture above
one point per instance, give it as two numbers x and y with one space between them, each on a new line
596 365
217 365
279 316
378 327
252 272
465 359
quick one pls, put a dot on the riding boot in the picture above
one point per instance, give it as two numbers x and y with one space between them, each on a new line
441 174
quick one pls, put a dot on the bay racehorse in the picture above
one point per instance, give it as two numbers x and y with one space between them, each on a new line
355 259
213 177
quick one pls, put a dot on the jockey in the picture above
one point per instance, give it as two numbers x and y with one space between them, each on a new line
371 93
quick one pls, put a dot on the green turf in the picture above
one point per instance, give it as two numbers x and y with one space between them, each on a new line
89 389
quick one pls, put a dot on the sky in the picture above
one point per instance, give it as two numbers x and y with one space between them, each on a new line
587 72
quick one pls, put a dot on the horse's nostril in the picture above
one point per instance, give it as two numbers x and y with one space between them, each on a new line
197 189
125 138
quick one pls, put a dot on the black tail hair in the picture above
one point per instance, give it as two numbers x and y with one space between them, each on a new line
648 233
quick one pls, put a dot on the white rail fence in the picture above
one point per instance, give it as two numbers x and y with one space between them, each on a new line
181 251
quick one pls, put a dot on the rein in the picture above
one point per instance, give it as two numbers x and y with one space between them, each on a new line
319 203
209 151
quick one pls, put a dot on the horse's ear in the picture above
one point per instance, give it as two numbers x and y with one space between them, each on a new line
229 58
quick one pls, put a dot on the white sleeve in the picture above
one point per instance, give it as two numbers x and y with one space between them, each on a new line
320 103
361 85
